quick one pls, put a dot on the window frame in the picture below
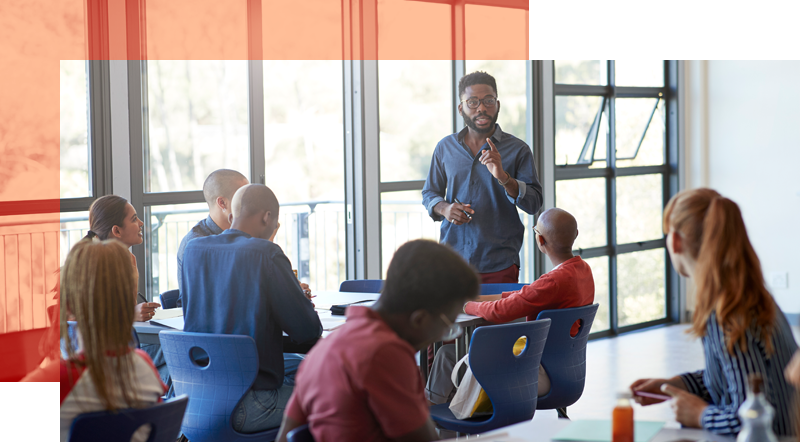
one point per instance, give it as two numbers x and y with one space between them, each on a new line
668 171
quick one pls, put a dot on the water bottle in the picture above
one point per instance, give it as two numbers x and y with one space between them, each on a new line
756 414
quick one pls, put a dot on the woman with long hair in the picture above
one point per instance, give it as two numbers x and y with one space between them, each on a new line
113 217
741 327
102 371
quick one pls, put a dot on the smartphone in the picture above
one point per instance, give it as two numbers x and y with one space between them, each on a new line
465 212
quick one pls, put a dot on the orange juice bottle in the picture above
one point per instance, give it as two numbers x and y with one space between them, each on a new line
622 419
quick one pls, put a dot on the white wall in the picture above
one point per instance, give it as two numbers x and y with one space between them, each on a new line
743 140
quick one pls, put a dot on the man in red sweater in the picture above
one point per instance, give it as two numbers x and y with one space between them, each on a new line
569 284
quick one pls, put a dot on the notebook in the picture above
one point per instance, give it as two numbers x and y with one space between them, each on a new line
600 431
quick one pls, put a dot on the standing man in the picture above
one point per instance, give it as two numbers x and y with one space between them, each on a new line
218 190
476 179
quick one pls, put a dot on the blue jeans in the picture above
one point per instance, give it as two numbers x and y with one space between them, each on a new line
261 410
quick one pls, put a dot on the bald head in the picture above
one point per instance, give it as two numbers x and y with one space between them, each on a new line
222 183
255 211
254 200
559 229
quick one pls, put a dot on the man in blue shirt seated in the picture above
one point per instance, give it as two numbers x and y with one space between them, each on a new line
239 282
478 178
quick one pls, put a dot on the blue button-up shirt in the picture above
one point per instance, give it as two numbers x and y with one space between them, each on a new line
205 227
492 240
236 284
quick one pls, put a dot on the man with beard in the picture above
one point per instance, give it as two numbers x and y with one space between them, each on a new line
476 179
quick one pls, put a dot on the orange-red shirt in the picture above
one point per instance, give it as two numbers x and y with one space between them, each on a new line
360 384
569 285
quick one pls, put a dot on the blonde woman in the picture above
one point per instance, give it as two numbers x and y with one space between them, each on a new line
98 288
741 327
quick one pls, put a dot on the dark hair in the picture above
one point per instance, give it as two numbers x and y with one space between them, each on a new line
426 275
105 213
474 78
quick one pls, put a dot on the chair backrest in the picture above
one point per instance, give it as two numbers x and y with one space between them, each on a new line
564 356
169 299
102 426
300 434
19 353
496 289
361 286
217 387
511 381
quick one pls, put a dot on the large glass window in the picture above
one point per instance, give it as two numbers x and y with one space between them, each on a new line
618 207
74 122
303 148
403 218
198 122
416 111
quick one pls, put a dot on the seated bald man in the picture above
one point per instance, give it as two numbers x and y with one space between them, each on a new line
239 282
569 284
218 190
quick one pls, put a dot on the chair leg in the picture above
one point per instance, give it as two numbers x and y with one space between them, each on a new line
562 413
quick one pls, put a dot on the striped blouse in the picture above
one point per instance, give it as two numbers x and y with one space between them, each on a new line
723 384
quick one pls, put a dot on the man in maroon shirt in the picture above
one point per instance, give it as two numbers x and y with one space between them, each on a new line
362 383
569 284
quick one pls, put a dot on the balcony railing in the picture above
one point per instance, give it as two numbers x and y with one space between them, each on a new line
312 234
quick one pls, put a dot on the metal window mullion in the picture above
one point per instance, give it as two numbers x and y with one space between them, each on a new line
353 229
676 288
459 69
530 99
611 205
138 129
99 127
543 142
400 186
255 68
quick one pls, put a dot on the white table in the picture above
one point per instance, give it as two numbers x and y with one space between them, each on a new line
148 333
543 429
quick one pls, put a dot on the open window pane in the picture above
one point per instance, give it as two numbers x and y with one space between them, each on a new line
403 218
580 45
639 49
585 199
635 147
416 111
74 124
512 92
599 267
639 208
575 117
198 122
640 286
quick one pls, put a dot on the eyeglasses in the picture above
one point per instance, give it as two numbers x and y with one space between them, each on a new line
473 103
453 330
536 231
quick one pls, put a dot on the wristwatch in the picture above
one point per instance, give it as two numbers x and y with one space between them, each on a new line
507 180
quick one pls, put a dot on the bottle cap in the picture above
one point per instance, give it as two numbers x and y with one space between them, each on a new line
624 395
756 382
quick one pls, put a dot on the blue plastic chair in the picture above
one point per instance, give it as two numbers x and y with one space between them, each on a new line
496 289
510 381
564 356
216 388
169 299
361 286
102 426
300 434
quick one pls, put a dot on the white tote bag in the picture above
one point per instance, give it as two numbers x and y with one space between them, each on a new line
470 400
